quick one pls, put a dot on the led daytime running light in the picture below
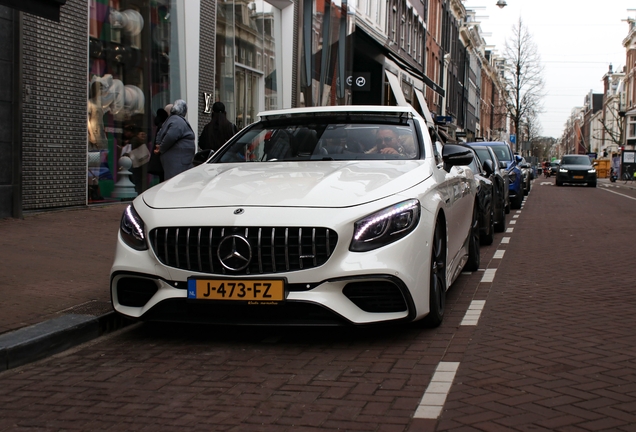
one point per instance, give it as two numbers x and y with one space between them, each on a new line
397 209
138 230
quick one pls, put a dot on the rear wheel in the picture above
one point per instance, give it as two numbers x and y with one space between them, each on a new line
437 300
501 221
518 201
489 236
473 244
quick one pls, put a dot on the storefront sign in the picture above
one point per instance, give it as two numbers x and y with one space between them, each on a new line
359 81
49 9
207 97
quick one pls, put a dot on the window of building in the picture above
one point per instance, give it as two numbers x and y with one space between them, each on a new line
631 127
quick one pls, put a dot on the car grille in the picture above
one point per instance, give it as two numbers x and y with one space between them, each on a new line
273 249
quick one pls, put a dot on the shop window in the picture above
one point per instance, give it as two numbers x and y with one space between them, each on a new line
133 70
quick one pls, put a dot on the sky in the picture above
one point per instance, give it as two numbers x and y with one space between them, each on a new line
577 40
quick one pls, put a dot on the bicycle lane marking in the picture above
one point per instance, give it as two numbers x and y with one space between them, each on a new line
623 195
434 398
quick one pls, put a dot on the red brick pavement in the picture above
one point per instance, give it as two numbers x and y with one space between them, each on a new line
53 261
555 347
553 350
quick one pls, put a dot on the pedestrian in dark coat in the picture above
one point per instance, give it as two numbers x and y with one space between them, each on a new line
176 141
218 131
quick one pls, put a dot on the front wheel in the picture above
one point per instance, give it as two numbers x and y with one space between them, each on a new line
489 236
437 289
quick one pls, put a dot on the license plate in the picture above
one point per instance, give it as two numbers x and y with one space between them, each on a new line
578 177
252 290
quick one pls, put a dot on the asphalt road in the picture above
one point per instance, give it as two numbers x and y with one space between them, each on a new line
541 338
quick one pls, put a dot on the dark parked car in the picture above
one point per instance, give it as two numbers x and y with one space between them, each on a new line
485 176
504 154
502 182
576 169
526 175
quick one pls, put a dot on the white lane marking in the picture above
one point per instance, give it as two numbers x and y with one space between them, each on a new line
518 212
512 222
505 240
509 230
489 275
546 183
515 216
432 402
623 195
473 313
499 254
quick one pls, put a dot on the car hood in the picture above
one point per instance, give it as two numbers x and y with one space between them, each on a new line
288 184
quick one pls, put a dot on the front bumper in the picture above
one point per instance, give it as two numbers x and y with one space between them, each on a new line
576 177
388 284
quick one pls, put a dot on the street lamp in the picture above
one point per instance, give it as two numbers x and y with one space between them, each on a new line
501 3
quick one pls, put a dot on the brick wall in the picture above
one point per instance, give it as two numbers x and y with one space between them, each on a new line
6 110
206 57
54 109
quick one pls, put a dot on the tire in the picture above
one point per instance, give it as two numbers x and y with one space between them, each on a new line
437 280
473 244
501 224
517 202
489 236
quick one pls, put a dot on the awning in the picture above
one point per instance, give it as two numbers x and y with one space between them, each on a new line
424 107
396 88
49 9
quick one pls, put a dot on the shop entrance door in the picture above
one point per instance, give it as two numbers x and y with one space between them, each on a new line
247 96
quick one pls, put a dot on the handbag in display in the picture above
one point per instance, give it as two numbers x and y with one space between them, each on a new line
139 156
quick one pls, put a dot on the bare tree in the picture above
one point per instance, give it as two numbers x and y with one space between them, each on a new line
611 132
522 77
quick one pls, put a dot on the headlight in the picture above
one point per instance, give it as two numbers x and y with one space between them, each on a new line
385 226
591 171
132 229
563 170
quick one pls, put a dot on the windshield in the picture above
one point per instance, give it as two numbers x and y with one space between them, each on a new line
294 140
575 160
503 152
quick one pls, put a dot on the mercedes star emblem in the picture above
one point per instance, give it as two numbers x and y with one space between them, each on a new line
234 252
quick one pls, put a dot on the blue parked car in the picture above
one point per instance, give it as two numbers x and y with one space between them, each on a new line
505 155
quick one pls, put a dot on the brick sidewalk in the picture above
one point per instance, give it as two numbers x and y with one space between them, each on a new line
56 262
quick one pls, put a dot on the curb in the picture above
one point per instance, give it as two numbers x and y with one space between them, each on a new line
50 337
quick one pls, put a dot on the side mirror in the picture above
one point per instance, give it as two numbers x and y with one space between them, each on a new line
456 155
201 157
489 168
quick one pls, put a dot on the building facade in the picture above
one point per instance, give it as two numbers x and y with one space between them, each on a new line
88 80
